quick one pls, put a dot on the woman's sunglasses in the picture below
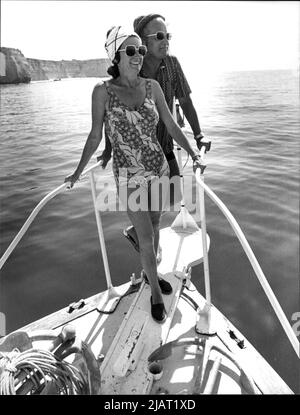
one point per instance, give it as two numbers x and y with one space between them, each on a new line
131 50
161 35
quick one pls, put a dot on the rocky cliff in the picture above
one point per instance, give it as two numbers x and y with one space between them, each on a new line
15 68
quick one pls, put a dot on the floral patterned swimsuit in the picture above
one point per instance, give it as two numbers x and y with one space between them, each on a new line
137 154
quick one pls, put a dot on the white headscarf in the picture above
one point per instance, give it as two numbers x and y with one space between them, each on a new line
116 37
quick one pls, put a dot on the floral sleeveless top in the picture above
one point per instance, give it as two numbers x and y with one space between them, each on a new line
137 154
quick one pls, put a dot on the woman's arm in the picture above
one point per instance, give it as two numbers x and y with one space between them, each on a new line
99 97
164 113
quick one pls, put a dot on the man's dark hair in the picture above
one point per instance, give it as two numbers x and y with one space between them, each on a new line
142 21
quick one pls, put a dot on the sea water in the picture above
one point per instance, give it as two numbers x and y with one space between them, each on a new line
252 119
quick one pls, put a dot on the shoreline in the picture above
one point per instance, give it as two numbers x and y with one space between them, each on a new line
15 68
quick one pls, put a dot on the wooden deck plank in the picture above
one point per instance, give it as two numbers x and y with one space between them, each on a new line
153 335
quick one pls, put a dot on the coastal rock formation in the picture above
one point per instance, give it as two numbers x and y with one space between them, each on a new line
15 68
44 69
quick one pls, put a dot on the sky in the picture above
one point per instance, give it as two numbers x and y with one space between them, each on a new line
218 35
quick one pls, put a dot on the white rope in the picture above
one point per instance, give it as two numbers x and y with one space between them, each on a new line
31 371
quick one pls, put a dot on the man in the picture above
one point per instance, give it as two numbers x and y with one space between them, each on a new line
159 65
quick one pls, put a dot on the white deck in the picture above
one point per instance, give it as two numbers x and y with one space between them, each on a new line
125 367
139 334
180 249
127 335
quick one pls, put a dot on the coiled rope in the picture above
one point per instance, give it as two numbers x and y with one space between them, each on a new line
32 371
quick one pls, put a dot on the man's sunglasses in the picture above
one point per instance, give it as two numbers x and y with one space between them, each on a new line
161 35
131 50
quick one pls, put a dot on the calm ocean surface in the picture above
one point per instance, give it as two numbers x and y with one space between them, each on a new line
253 120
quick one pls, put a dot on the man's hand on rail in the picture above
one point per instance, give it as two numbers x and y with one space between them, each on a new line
73 178
203 142
105 157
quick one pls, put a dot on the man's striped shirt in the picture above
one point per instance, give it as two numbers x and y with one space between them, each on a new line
173 83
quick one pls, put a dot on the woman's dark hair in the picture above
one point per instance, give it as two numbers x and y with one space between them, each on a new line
114 69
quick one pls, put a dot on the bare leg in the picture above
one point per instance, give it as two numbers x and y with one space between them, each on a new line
141 220
145 232
155 220
156 198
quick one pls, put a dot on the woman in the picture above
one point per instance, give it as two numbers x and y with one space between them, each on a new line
130 107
